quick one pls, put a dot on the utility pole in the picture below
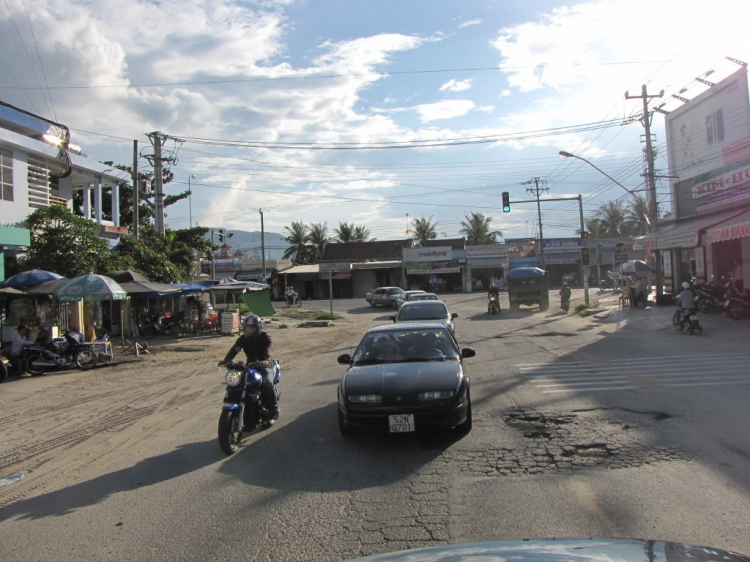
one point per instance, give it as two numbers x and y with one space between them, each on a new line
263 245
650 180
136 198
407 226
159 184
584 268
536 192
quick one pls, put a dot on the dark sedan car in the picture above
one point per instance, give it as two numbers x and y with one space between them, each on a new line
405 378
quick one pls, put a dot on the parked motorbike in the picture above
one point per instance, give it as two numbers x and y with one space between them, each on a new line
737 305
605 284
244 408
152 327
706 300
293 300
40 359
493 306
686 320
4 367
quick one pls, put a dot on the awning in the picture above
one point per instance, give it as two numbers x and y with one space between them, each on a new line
683 234
297 269
377 264
737 227
487 263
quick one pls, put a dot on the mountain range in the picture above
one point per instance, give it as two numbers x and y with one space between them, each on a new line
249 243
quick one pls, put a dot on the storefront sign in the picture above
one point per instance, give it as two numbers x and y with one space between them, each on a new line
722 186
436 254
335 266
228 264
249 276
560 261
729 232
436 271
487 263
335 274
606 242
487 251
522 262
552 245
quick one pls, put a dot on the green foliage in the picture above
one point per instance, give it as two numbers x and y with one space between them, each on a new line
69 245
296 236
318 240
478 229
424 229
347 233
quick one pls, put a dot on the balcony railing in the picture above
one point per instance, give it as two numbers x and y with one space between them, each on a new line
59 201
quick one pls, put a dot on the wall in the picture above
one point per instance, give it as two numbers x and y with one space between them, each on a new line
746 260
364 281
16 211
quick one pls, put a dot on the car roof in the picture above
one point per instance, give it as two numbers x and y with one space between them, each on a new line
432 325
376 288
414 292
422 293
417 304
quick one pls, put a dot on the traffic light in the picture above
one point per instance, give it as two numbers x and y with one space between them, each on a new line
222 234
584 234
585 258
506 202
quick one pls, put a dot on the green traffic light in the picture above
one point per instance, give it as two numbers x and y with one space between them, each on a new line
506 209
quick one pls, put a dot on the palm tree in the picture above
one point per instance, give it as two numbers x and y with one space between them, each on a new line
636 216
424 229
612 217
296 236
594 227
345 232
318 240
362 234
476 228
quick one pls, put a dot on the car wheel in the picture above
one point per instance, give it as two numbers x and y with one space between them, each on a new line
372 304
467 425
345 431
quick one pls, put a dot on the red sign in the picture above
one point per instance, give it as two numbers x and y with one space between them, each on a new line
729 232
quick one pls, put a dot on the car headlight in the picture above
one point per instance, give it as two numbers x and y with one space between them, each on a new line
435 395
365 398
233 378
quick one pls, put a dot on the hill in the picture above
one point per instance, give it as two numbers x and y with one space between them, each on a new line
249 243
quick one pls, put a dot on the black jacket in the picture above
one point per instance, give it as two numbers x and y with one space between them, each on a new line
256 349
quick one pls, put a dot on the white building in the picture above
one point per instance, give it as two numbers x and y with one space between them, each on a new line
30 160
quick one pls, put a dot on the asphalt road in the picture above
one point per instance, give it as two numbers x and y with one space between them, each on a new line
582 428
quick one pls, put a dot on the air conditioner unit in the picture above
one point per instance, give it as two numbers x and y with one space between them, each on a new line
145 186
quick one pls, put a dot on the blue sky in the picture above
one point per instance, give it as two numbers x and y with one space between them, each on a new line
556 65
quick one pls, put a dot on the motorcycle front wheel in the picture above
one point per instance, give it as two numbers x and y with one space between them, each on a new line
677 321
736 311
704 305
33 367
149 332
86 359
174 330
230 432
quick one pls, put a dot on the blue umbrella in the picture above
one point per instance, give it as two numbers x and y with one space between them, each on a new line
30 278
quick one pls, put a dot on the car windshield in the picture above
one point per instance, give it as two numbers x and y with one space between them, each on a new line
394 291
405 346
422 297
426 311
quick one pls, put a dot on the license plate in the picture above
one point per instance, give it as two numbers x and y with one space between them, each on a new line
401 423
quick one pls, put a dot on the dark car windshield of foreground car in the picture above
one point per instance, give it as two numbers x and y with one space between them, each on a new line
406 346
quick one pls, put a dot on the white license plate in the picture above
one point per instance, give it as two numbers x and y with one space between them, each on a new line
401 424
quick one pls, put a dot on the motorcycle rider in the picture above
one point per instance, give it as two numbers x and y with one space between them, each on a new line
564 295
257 345
686 299
494 291
289 295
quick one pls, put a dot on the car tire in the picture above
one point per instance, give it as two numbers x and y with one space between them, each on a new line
343 429
372 304
466 426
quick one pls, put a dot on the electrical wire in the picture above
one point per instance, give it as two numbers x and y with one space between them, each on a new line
39 56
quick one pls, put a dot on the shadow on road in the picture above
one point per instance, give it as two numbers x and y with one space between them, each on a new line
153 470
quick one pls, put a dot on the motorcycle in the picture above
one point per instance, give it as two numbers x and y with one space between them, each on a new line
40 359
4 367
686 320
493 306
706 300
565 305
149 329
605 284
737 305
244 408
293 300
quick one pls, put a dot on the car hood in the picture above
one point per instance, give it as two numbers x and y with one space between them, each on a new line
405 379
559 550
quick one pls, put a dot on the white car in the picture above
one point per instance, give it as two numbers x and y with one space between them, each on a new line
407 295
384 296
422 296
426 311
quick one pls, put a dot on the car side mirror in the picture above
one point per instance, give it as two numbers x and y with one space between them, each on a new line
467 352
454 315
345 359
392 319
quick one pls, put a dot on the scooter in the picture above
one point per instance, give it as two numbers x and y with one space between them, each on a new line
40 359
493 306
686 320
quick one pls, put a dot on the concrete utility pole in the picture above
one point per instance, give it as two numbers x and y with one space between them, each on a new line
536 192
584 268
650 180
262 245
158 181
136 198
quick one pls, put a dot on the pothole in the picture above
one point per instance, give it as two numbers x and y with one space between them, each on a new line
588 450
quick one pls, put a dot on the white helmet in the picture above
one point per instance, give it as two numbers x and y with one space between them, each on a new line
685 285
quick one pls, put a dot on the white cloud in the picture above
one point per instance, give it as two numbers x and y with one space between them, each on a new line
504 93
469 23
453 85
445 109
486 108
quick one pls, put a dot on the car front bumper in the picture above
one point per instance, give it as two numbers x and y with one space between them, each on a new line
426 417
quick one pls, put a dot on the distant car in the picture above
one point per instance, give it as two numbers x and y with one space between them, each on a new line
406 295
404 379
426 311
422 296
384 296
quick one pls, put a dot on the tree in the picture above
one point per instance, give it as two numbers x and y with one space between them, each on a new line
318 240
347 233
424 229
296 236
69 245
612 217
477 229
362 234
594 227
635 216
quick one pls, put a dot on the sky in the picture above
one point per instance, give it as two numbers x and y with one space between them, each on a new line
528 79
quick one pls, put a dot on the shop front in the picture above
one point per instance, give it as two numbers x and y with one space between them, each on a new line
485 266
432 269
728 248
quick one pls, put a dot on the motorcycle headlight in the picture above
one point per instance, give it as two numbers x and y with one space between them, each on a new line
435 395
233 378
365 398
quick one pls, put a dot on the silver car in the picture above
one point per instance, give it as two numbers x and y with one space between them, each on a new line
407 295
426 311
422 296
384 296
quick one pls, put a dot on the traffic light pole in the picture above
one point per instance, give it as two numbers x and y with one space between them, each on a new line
584 268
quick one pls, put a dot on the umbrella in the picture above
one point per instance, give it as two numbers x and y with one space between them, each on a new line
90 288
11 291
634 267
46 288
126 275
30 278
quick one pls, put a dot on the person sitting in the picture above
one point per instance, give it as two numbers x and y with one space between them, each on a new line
20 339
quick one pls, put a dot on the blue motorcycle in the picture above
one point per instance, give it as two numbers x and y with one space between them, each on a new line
244 408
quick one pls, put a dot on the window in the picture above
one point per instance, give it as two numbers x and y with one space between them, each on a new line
426 311
6 174
394 291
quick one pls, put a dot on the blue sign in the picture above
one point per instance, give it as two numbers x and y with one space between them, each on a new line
522 262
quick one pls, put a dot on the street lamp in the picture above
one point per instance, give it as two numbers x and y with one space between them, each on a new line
190 200
569 155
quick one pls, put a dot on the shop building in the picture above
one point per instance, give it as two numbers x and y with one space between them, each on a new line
485 265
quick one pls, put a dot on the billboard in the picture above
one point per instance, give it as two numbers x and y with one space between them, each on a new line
438 253
561 244
428 261
708 145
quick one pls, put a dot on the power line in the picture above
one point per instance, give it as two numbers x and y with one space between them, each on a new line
23 91
44 74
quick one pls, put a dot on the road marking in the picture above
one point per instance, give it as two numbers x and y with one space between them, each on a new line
634 376
641 387
642 359
611 372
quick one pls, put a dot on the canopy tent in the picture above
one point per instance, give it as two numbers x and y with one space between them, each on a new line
140 286
682 234
194 286
46 288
